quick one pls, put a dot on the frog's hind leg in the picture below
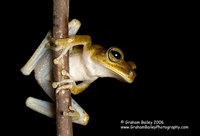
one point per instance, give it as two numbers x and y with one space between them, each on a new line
48 109
43 74
74 26
40 51
40 106
41 61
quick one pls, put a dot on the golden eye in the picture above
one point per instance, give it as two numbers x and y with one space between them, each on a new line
114 54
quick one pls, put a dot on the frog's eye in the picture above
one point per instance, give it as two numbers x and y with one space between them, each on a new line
114 54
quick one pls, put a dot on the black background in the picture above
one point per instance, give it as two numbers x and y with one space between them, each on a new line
152 34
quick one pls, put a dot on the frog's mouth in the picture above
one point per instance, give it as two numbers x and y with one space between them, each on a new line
128 76
132 73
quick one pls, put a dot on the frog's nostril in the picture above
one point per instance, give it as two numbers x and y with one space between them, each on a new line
131 73
131 64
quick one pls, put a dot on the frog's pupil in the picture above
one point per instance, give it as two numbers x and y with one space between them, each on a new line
116 54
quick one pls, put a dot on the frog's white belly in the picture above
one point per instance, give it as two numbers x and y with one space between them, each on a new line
78 70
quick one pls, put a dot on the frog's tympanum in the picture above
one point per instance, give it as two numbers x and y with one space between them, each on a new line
87 62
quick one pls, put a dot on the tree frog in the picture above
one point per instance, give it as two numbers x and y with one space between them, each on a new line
87 63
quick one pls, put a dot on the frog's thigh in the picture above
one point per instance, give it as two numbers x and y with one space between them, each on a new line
42 73
48 109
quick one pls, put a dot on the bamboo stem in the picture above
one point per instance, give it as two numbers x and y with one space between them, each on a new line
63 98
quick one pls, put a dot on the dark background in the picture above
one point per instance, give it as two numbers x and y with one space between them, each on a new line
152 34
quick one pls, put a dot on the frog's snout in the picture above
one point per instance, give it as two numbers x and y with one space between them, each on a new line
132 73
131 64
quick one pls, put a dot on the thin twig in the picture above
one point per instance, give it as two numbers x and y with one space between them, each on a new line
63 98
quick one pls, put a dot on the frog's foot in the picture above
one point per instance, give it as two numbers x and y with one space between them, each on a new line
72 112
57 45
48 109
64 84
56 60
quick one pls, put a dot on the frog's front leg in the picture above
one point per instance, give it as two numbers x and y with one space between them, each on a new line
66 44
75 89
79 116
71 84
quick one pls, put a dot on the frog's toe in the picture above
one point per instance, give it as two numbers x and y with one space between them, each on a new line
64 87
64 84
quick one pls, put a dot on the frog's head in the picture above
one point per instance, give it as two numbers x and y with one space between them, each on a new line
113 63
